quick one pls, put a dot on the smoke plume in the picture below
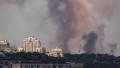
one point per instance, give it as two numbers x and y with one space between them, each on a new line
94 40
100 41
113 49
90 39
78 17
73 17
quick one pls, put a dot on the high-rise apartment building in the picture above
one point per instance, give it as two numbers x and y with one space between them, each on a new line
30 44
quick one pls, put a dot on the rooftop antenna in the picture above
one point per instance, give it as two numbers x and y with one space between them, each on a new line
79 50
56 47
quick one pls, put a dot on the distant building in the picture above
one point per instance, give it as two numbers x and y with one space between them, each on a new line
41 50
13 48
35 64
38 65
32 44
20 49
30 64
56 53
77 65
7 49
4 45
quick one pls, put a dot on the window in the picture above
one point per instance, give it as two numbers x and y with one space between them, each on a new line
38 66
26 66
32 66
21 66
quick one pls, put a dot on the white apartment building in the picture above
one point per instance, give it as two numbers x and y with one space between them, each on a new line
31 44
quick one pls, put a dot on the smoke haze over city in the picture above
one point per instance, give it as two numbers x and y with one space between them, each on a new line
72 25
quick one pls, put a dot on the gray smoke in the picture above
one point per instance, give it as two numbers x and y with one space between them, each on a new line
113 49
90 39
95 41
101 38
60 13
75 18
72 17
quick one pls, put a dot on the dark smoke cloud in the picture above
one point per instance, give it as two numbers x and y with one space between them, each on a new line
95 41
113 49
90 39
100 40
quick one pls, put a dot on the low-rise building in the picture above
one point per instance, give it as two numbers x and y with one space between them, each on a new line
13 48
7 49
77 65
20 49
4 45
56 53
35 64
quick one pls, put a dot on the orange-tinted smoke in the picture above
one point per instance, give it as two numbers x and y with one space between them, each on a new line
74 21
105 7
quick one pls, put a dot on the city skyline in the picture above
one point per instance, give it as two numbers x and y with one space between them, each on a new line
21 43
26 46
30 45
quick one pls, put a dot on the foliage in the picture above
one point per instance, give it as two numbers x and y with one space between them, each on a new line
89 60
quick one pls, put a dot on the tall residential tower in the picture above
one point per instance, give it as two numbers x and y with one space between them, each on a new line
31 44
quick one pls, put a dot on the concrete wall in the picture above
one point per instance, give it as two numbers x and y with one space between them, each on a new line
17 65
32 64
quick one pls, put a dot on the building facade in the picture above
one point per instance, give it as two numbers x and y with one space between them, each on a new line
4 45
41 50
56 53
35 64
20 49
32 44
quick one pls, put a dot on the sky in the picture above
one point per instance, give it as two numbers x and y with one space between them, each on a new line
21 19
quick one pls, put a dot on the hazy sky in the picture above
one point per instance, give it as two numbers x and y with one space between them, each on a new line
24 18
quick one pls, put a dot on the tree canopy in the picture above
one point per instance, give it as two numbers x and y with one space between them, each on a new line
89 60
